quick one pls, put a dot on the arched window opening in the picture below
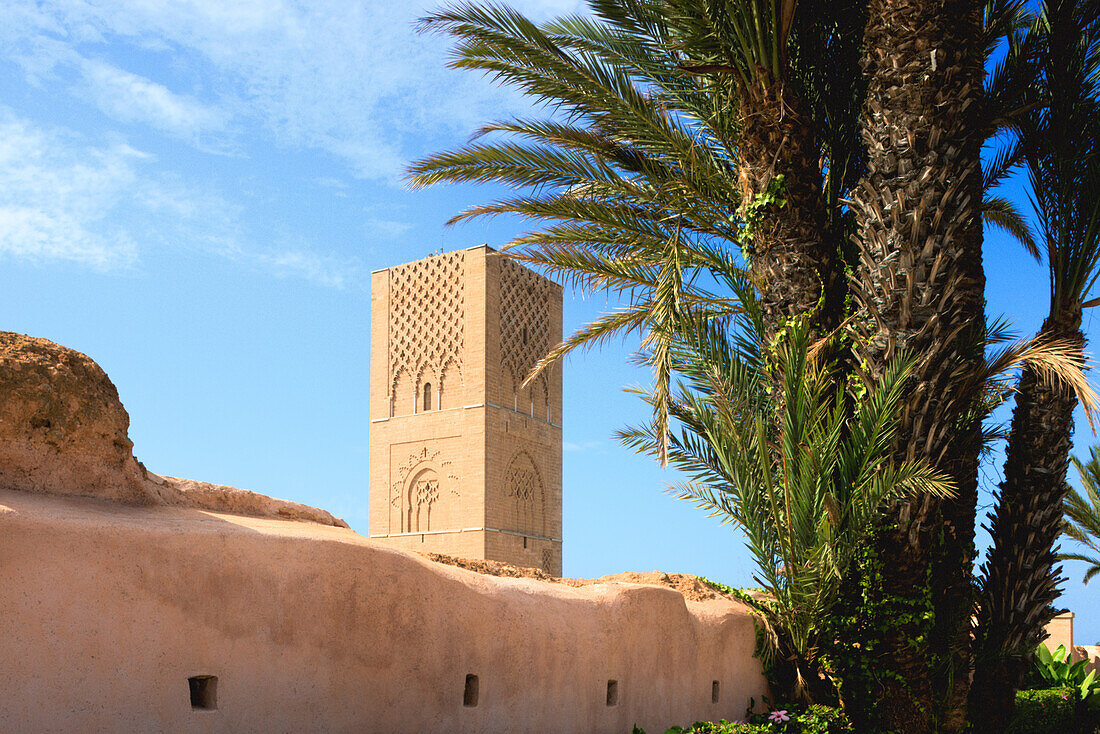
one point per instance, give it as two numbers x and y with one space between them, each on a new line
427 396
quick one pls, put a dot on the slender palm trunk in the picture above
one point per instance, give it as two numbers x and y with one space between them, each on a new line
920 288
795 262
1020 579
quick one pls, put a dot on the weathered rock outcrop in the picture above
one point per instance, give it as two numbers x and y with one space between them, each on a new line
64 430
693 588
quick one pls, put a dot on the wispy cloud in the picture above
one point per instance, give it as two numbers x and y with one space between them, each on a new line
131 98
65 198
584 446
323 269
386 228
343 76
57 196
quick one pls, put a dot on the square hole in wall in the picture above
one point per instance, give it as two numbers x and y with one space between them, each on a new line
469 693
613 693
204 692
714 691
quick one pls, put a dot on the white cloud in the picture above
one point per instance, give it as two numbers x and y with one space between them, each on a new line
323 269
63 198
132 98
345 76
388 228
56 196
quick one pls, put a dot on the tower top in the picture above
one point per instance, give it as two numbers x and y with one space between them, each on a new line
465 460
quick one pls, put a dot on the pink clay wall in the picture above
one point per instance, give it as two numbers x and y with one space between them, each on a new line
106 610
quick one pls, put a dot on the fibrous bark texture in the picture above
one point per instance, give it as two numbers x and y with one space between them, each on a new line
797 265
920 288
1020 578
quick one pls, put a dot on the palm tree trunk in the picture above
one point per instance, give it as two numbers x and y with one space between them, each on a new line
1020 579
796 264
920 288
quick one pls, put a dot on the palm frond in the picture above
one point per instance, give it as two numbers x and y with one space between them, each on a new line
1082 515
1004 215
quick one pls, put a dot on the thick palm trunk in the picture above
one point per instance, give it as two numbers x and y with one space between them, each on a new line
1020 579
796 265
920 288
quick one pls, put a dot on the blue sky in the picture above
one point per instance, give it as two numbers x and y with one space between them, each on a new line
194 192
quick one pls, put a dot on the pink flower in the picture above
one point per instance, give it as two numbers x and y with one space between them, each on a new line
779 717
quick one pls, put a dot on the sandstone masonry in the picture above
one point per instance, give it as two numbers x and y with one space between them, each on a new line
464 460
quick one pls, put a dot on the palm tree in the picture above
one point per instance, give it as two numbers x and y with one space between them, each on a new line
681 139
1082 515
744 48
920 286
687 114
803 477
1060 144
649 180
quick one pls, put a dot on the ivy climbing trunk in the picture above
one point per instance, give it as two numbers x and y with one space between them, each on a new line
1020 579
795 263
920 288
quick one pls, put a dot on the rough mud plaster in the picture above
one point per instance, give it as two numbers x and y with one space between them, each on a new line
108 609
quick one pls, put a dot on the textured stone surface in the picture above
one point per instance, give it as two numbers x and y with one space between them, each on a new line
220 498
691 587
108 609
63 430
465 460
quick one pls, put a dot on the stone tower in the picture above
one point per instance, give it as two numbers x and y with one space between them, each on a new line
463 460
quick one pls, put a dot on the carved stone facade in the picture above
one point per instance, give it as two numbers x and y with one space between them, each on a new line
465 459
426 333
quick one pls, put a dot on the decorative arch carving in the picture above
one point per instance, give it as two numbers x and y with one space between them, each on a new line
423 492
402 394
423 489
427 310
427 374
524 491
540 398
452 389
524 320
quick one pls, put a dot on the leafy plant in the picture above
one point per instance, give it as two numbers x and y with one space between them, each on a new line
768 445
816 719
1058 669
1044 711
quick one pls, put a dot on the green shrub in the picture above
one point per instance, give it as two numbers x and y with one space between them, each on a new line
1052 669
1045 711
814 720
823 720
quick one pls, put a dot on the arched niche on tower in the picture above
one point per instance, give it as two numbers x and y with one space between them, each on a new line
427 388
403 394
422 495
451 387
525 496
540 398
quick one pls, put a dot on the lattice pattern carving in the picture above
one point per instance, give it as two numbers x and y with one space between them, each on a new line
412 498
548 560
523 486
423 492
427 309
524 320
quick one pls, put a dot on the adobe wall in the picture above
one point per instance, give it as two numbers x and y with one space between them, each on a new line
1059 631
108 609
